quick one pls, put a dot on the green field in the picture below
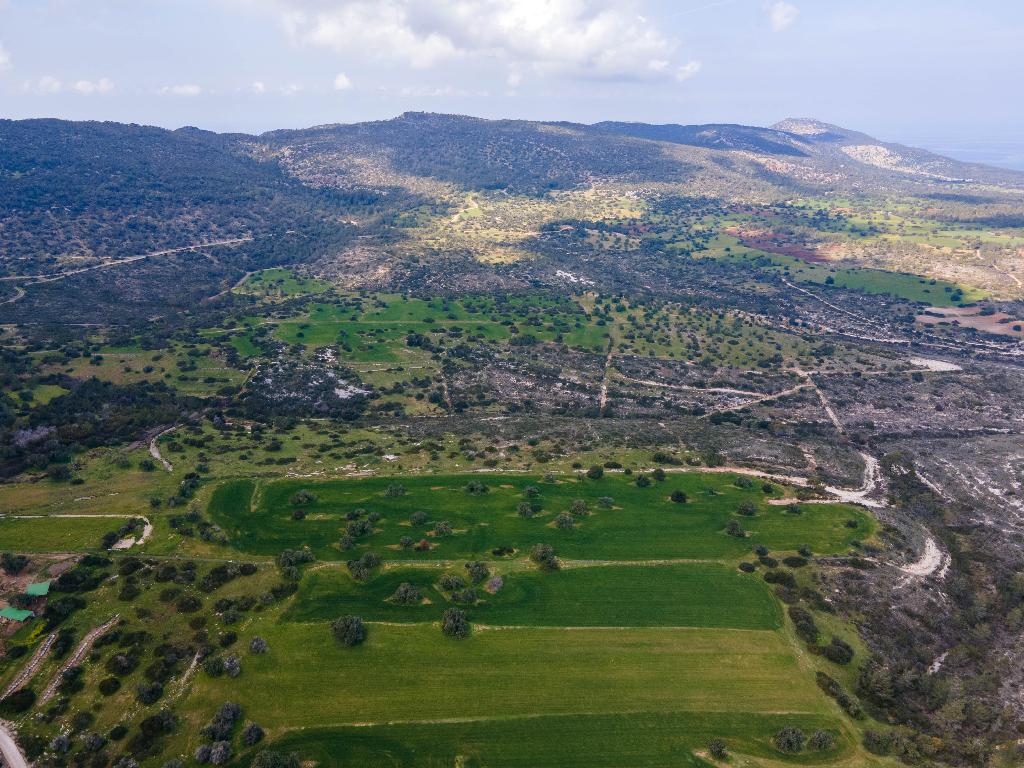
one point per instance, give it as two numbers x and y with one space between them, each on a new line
694 595
643 523
655 740
414 673
54 534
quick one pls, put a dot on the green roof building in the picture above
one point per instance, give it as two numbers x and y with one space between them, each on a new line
14 614
42 589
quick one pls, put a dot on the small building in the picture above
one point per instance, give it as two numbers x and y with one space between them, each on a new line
42 589
15 614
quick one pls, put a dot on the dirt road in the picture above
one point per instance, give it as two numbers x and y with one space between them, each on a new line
12 756
77 656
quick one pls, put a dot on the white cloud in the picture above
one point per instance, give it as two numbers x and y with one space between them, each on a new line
291 89
513 79
45 84
257 87
342 82
89 87
582 38
782 15
688 70
5 58
186 89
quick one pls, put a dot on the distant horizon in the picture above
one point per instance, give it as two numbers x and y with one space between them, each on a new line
999 150
931 73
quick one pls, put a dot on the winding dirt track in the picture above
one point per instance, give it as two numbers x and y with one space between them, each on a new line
80 651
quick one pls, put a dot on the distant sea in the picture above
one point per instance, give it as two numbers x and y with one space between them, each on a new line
1005 153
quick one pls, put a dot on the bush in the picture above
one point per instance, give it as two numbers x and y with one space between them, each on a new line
747 509
642 481
252 735
525 510
349 631
302 497
478 571
822 740
12 564
789 739
838 651
596 472
544 556
748 567
17 702
716 748
443 528
795 561
258 645
148 694
579 508
455 624
564 521
804 623
221 753
733 528
451 582
418 518
606 502
407 594
679 497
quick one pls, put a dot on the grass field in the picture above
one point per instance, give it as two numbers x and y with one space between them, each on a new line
643 523
695 595
54 534
654 740
414 673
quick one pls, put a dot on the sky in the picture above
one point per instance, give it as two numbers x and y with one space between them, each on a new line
936 73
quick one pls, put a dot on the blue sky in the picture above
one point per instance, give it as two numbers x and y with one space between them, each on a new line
934 72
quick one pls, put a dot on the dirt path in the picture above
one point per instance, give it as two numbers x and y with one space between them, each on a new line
49 277
154 449
12 756
932 560
32 667
603 398
80 651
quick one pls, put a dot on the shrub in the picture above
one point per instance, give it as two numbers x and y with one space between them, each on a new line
747 509
252 735
220 753
443 528
716 748
258 645
18 701
596 472
232 666
789 739
804 623
579 508
642 481
148 694
839 651
302 497
407 594
544 556
455 624
476 488
733 528
679 497
748 567
795 561
202 754
418 518
349 631
405 542
606 502
564 521
394 490
822 740
478 571
525 510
